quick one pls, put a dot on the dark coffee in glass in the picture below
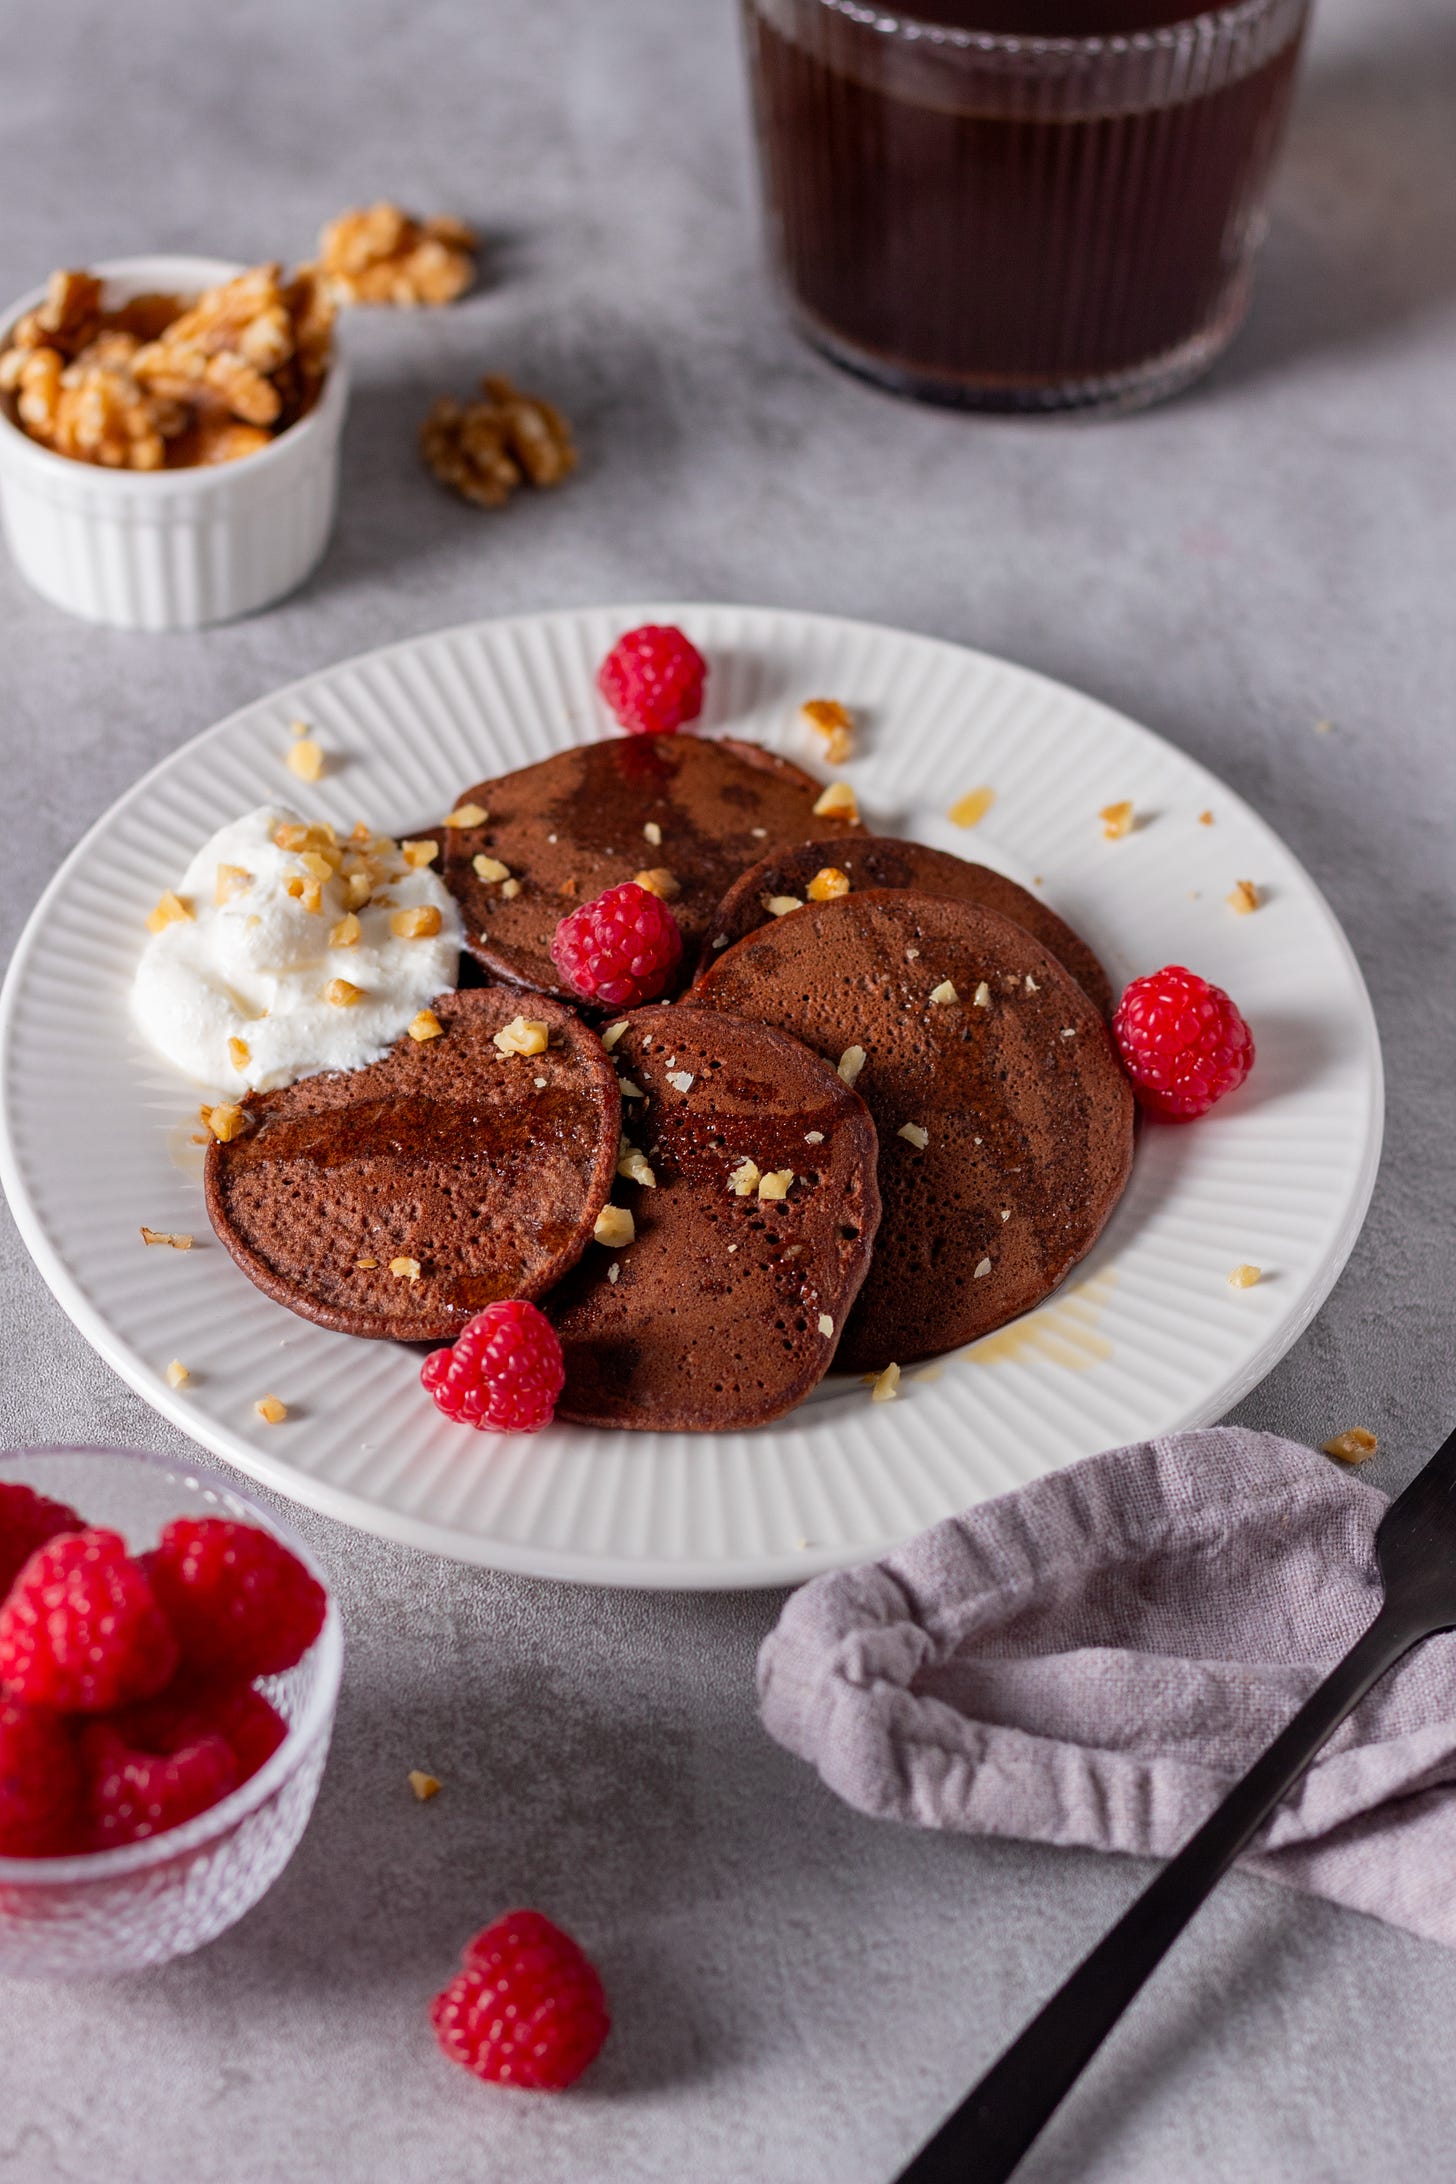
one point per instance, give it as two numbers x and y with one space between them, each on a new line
1020 204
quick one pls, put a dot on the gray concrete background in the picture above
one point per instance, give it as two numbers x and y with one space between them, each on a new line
798 1990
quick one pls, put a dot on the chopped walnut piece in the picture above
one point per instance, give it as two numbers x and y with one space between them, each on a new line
239 1053
342 993
779 906
171 910
226 1121
232 880
615 1228
1244 1277
425 1026
828 884
419 854
981 998
270 1410
776 1183
969 810
485 449
382 255
466 815
744 1179
425 1786
634 1166
177 1373
358 887
1117 820
851 1062
523 1035
838 801
652 833
944 995
1355 1446
826 1324
835 723
885 1386
509 890
305 759
420 923
1205 818
176 1239
366 1262
914 1133
345 934
813 1137
405 1270
660 882
1244 898
489 869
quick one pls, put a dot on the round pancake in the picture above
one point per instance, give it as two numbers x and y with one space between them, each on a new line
1027 1114
712 1318
573 825
489 1169
881 861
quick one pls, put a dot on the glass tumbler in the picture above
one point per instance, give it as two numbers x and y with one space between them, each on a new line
1006 221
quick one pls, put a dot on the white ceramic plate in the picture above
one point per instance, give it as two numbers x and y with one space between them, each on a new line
96 1135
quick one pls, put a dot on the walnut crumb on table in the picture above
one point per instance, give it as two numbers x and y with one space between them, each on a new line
1117 820
969 810
1355 1446
835 723
1244 1277
425 1786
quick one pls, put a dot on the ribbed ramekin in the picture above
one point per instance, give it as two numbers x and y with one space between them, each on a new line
172 549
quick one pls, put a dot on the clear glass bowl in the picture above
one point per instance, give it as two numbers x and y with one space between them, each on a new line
118 1910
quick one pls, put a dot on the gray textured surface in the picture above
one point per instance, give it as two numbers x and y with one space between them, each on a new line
798 1990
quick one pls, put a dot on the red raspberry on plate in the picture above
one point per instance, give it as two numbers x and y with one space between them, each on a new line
527 2009
1182 1041
653 680
133 1793
40 1783
191 1709
81 1630
503 1372
240 1603
622 948
27 1521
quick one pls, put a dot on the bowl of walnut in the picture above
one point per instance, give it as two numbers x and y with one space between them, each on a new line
169 438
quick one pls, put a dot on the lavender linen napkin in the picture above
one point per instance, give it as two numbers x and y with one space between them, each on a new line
1096 1658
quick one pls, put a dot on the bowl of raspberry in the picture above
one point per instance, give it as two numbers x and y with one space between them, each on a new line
169 1669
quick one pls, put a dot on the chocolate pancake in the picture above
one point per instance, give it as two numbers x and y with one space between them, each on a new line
1026 1115
726 1308
881 861
486 1169
573 825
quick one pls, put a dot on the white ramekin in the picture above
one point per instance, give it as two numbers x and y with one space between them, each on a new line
172 549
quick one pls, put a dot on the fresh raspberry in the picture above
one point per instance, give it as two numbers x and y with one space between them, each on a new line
528 2009
192 1708
81 1630
133 1793
1183 1042
40 1783
622 948
653 680
27 1521
503 1372
240 1603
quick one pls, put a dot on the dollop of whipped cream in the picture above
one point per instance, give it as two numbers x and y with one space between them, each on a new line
285 951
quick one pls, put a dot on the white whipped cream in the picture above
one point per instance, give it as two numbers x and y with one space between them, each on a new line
254 965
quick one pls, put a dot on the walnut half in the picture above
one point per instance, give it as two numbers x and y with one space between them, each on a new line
484 450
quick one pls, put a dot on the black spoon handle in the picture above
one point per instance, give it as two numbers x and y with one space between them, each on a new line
982 2141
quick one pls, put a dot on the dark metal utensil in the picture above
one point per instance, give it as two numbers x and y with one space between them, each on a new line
982 2141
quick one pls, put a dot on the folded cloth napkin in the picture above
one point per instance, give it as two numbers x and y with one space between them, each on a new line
1096 1658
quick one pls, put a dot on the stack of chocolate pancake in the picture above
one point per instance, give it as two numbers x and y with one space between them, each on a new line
880 1124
